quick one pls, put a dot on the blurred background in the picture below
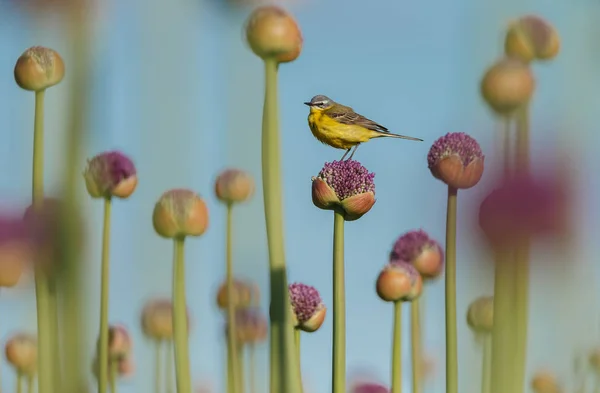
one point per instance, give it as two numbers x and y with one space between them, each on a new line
174 86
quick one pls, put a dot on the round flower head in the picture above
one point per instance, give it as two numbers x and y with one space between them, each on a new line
457 160
21 353
16 249
480 315
532 38
545 382
157 319
307 306
234 185
424 253
507 85
346 186
251 325
245 294
180 213
39 68
110 174
399 281
368 387
119 342
272 33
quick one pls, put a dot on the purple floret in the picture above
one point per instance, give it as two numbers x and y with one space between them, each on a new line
305 301
111 168
410 245
454 143
347 178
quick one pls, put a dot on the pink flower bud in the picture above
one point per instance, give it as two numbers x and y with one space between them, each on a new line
245 294
180 213
39 68
110 174
424 253
21 353
273 33
157 319
234 186
399 281
457 160
532 38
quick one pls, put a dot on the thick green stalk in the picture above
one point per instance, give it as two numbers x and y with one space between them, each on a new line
54 331
252 368
339 307
522 262
180 334
19 382
297 335
30 383
42 290
486 366
158 366
169 367
240 370
397 349
104 290
233 380
451 334
415 336
112 376
284 376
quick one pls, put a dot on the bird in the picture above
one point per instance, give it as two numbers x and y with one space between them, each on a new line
340 127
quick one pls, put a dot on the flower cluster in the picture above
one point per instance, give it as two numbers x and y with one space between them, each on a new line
420 250
457 160
110 174
307 306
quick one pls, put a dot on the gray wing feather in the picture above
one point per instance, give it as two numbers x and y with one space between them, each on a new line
346 115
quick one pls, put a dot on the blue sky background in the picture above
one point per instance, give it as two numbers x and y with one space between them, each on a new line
175 87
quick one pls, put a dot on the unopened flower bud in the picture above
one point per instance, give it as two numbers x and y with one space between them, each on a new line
457 160
345 186
234 186
399 281
274 34
532 38
21 353
545 382
180 213
424 253
245 294
157 319
16 249
110 174
307 307
251 325
120 344
480 315
39 68
507 85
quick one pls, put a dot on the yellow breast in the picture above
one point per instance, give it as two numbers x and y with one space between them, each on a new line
335 134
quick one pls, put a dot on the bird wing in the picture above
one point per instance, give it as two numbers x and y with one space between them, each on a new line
346 115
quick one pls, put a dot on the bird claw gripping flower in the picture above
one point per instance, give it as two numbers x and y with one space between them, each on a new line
457 160
110 174
423 252
345 186
480 315
180 213
39 68
399 281
532 38
307 306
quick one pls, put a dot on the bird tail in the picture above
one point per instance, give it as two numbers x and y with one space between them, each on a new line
381 134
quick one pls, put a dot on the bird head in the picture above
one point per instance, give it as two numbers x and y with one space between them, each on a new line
320 103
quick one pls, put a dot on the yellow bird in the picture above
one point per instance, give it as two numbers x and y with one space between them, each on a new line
339 126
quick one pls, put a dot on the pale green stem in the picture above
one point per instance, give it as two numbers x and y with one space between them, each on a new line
112 376
180 334
104 291
415 335
169 366
240 370
451 334
252 368
522 262
54 332
158 344
284 376
297 336
597 384
339 307
19 382
30 383
397 349
233 380
42 290
486 366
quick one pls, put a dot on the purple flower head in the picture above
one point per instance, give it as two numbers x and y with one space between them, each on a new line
369 387
305 300
251 325
411 244
454 144
347 178
106 171
13 229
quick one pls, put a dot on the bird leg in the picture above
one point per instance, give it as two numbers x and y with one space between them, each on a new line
353 151
345 154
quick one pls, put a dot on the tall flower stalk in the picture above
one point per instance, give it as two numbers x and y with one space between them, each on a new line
275 37
455 159
480 318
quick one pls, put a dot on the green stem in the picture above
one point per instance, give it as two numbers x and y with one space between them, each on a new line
451 334
252 368
42 291
415 335
522 262
112 376
240 370
54 331
104 290
397 349
234 379
339 307
284 376
158 366
19 382
297 335
180 334
30 383
486 367
169 366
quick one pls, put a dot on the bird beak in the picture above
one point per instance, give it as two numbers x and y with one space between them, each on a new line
308 103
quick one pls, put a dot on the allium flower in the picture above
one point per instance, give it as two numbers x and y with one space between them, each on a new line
545 382
307 306
180 212
346 186
457 160
119 342
480 315
110 174
399 281
507 85
532 38
39 68
21 352
524 206
157 319
273 33
251 325
424 253
369 387
234 186
16 249
594 360
245 294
